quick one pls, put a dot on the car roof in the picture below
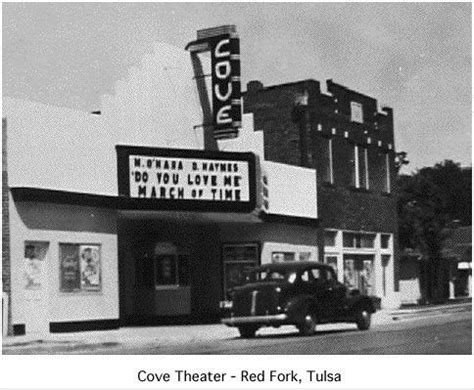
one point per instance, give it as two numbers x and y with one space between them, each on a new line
293 265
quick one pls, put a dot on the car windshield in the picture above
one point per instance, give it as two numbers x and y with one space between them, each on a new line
271 276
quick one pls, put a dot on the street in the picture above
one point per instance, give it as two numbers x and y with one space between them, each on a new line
433 333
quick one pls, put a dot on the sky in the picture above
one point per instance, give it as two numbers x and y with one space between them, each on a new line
413 57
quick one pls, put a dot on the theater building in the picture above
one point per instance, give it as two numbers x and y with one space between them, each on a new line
149 210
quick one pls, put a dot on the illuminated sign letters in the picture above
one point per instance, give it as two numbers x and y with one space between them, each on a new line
187 179
226 91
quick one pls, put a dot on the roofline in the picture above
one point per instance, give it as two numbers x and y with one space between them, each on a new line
284 84
329 94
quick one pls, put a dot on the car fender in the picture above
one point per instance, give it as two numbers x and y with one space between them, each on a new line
359 301
297 307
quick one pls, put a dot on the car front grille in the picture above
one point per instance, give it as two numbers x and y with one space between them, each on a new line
255 303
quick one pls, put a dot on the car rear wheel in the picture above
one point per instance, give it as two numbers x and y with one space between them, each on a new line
363 319
308 326
248 331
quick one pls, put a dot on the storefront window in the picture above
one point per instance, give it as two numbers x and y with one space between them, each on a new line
238 259
280 257
358 240
367 240
80 268
359 273
305 256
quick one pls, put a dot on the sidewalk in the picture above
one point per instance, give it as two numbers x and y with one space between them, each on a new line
177 335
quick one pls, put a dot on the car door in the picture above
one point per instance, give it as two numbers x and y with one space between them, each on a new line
336 293
320 290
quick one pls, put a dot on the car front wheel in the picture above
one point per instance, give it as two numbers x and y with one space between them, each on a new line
248 332
363 318
308 326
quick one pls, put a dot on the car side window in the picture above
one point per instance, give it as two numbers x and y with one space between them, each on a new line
316 273
305 277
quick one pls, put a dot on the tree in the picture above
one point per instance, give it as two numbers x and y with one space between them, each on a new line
429 200
401 160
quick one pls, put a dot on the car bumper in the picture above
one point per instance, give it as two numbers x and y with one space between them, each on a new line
269 319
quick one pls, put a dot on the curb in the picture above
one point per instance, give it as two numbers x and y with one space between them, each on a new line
104 340
447 307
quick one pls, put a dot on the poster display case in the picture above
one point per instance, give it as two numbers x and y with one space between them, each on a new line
238 259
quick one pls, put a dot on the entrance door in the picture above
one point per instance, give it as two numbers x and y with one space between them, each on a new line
35 287
162 282
359 273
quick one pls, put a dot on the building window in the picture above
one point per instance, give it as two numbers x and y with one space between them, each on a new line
327 170
385 241
387 172
378 170
343 162
309 150
330 238
358 240
280 257
356 112
366 168
356 171
305 256
80 267
361 167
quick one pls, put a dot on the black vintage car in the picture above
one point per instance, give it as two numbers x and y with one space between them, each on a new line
297 293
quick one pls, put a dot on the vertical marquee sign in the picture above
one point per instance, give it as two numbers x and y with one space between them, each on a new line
224 45
226 94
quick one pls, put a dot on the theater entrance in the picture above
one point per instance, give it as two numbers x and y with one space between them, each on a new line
169 272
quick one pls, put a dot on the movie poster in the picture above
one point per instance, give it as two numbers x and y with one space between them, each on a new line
70 273
90 267
35 253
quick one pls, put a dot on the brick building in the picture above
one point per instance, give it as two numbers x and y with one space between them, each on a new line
350 142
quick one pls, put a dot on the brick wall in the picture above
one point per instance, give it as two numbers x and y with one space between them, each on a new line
6 274
340 205
274 113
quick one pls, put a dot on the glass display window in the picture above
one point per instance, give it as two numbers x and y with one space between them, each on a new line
80 267
281 257
238 259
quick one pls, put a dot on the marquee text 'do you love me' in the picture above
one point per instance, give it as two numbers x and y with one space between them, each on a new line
189 179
